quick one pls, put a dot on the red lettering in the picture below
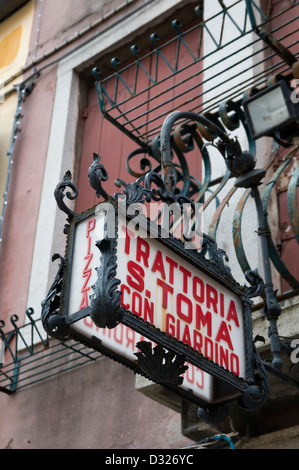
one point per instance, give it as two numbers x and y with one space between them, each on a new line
87 275
87 271
166 288
223 357
107 332
90 226
187 374
203 320
130 337
232 313
129 235
197 341
178 329
212 298
148 311
223 334
186 274
137 304
158 264
88 245
88 322
89 258
170 325
221 305
199 296
186 339
84 301
194 375
124 288
172 264
208 349
187 316
138 274
140 253
118 333
201 383
216 353
234 364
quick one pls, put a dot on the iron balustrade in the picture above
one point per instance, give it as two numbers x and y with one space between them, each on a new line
139 110
29 356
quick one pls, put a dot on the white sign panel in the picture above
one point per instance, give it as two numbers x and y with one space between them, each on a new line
122 340
165 290
144 301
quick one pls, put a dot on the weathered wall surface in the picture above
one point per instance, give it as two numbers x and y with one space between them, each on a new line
15 34
95 407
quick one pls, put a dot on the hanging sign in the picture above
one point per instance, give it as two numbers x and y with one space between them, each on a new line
143 287
148 300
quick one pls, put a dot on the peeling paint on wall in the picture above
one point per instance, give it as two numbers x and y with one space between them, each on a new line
9 47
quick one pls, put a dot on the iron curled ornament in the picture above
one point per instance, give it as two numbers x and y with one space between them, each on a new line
53 323
96 174
59 194
161 365
106 310
105 307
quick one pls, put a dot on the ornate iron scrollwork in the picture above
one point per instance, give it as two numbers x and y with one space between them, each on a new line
217 256
53 323
134 192
163 364
256 282
256 394
59 193
106 311
96 174
160 365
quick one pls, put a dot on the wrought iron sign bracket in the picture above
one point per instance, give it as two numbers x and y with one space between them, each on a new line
166 362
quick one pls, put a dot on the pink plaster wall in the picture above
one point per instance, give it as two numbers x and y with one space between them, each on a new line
96 406
59 21
93 407
24 196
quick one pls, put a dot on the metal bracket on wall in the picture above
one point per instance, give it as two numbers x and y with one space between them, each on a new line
28 356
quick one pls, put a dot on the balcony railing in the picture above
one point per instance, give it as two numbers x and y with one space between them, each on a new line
28 356
138 95
247 50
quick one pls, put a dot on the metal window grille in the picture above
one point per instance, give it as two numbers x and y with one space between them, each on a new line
173 83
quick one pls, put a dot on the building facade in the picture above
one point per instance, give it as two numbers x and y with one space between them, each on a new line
100 77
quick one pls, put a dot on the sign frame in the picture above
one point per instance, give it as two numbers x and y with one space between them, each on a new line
105 309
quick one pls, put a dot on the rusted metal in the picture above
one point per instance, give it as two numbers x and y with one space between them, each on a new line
292 200
237 233
216 217
293 211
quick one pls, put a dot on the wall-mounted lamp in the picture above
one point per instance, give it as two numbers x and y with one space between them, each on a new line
272 111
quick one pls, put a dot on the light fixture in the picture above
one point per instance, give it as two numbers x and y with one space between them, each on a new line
272 111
